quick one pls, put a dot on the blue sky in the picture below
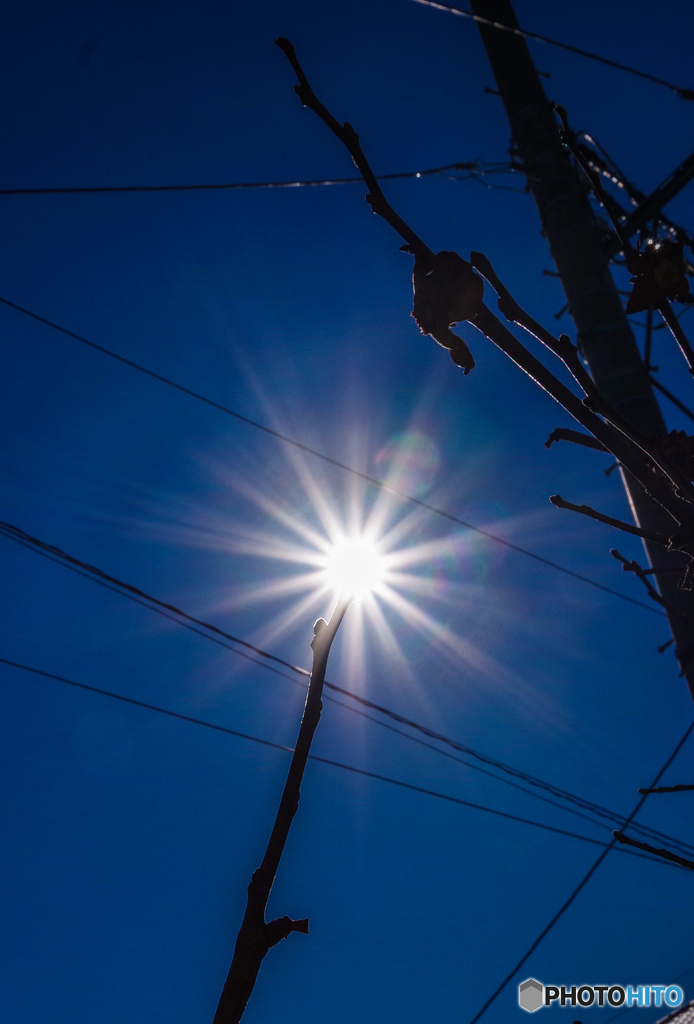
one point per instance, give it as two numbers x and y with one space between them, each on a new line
129 836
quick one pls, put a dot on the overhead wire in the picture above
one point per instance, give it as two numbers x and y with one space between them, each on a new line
314 757
331 461
18 535
326 696
584 881
475 169
685 94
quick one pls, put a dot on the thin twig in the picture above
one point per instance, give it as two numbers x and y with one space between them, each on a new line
575 436
349 138
618 524
632 257
665 854
665 310
565 350
625 448
569 140
639 462
631 565
256 936
562 346
668 789
681 483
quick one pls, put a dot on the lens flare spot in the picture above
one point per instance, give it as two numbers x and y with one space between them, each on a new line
411 461
355 567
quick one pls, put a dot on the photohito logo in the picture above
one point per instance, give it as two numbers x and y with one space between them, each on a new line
532 995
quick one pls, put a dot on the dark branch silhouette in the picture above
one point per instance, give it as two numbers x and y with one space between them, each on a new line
451 291
668 789
562 347
566 434
631 565
659 270
618 524
256 935
447 290
347 135
665 854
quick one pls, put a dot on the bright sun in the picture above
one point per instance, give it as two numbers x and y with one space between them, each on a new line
408 579
355 567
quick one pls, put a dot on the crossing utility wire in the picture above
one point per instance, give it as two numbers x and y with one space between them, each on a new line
333 462
220 637
348 707
685 94
586 878
315 757
474 168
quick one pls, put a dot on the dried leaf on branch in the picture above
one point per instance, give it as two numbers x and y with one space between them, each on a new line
447 291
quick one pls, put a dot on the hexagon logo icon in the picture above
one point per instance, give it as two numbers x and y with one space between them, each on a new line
530 995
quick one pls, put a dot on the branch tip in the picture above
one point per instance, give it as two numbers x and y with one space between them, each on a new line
281 928
618 524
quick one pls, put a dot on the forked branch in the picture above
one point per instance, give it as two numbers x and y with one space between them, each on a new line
447 292
631 565
659 269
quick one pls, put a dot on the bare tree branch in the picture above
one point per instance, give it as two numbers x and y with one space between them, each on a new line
349 138
633 566
644 465
569 140
665 854
667 789
451 295
565 434
256 936
659 270
618 524
665 310
562 347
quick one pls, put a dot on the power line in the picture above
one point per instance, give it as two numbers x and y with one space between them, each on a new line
314 757
591 871
154 604
333 462
348 707
15 533
473 167
685 94
686 847
468 764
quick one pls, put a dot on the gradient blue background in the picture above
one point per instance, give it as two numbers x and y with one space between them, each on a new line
129 838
